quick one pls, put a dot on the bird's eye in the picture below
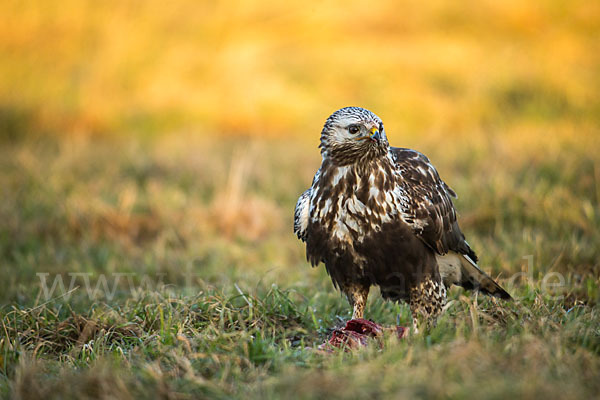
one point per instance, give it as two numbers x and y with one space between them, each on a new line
353 129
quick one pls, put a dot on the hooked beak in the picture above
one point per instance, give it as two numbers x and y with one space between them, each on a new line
375 136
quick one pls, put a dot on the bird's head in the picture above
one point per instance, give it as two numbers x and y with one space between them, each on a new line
353 134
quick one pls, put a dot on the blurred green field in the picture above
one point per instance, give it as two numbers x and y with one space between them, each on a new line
151 155
219 301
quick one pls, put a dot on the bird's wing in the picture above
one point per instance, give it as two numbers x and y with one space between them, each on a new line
428 204
301 214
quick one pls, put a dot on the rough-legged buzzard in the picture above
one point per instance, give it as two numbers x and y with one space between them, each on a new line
380 215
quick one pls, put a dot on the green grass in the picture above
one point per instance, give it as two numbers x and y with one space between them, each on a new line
219 302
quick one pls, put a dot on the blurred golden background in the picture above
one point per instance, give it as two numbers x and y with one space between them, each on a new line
268 68
149 135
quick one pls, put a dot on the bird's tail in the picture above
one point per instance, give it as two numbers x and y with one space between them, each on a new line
475 278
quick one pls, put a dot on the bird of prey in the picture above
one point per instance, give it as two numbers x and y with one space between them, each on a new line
381 215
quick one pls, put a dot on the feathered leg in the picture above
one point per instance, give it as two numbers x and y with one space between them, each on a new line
427 300
357 297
